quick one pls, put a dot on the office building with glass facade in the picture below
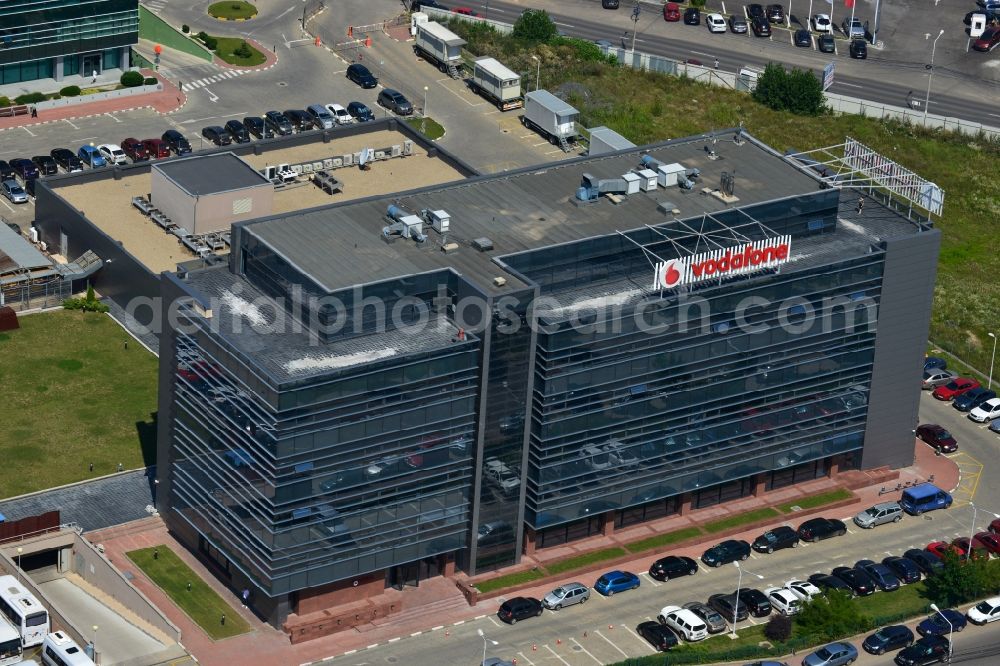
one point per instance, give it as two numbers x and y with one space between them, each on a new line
52 39
379 391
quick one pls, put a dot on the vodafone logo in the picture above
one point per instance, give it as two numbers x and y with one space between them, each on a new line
733 261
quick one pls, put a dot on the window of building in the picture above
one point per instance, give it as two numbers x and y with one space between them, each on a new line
724 492
646 512
556 536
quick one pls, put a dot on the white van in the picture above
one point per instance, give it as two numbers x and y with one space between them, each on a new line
58 649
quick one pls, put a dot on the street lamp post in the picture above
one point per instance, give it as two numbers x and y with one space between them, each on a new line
951 629
739 586
635 24
538 70
485 641
423 123
930 75
19 551
993 357
95 643
972 530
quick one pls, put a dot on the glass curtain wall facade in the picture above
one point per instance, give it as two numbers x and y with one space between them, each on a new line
52 38
317 481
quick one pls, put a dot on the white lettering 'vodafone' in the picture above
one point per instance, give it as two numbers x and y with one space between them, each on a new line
737 260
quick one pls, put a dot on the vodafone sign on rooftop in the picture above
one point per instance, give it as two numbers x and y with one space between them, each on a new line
717 264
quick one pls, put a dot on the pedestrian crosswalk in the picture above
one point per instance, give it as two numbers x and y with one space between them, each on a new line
155 5
208 80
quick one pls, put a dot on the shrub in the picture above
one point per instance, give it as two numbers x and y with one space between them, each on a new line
779 628
150 81
70 91
211 42
4 101
30 98
831 617
131 79
87 304
534 25
185 28
202 35
798 91
697 3
243 51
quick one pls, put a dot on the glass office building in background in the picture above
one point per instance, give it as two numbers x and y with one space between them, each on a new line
353 404
52 39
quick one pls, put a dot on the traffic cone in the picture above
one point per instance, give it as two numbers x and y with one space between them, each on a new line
368 42
350 31
534 647
318 42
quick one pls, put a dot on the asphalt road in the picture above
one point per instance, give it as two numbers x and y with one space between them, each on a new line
963 86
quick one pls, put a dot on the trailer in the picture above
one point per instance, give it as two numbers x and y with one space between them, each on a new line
497 83
551 117
440 46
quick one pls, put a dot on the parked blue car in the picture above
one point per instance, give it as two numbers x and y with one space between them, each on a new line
972 399
931 362
935 625
89 155
616 581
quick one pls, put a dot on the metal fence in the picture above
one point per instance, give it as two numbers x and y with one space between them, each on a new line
446 15
36 296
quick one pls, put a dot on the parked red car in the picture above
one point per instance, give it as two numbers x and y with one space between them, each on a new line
979 549
135 150
994 527
955 388
988 40
939 548
156 148
937 437
671 12
990 542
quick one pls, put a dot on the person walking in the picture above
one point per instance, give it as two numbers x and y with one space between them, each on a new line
861 204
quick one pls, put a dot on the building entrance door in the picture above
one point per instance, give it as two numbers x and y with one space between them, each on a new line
90 64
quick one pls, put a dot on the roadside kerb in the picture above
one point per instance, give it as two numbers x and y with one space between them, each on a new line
472 595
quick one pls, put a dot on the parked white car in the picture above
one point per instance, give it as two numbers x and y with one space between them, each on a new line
987 411
112 153
684 622
783 600
985 611
822 23
340 114
803 590
715 23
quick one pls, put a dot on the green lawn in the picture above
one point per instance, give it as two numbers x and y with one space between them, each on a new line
73 396
740 519
578 561
887 607
201 603
661 540
432 130
510 580
813 501
233 9
227 45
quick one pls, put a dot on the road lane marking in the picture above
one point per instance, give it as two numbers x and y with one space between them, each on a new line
587 652
490 618
702 568
523 656
66 120
112 117
8 205
638 637
652 580
751 620
852 85
30 133
556 655
624 653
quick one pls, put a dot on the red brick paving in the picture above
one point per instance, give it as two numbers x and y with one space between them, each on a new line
437 601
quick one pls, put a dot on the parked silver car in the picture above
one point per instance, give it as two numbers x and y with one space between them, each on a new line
566 595
880 514
14 192
936 377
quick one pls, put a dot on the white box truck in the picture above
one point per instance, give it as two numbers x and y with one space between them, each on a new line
439 46
551 117
497 83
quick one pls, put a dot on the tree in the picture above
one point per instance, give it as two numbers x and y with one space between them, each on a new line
535 25
779 628
798 91
131 79
831 617
961 580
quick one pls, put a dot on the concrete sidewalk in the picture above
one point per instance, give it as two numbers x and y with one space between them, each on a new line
437 602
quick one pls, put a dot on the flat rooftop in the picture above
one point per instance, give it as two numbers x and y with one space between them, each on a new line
209 174
107 203
518 211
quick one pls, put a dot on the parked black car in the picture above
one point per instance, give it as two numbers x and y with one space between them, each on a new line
775 13
929 563
256 127
927 650
65 158
803 38
301 120
825 43
760 26
755 601
888 638
673 566
972 399
858 579
883 576
726 605
658 635
859 49
360 75
178 144
279 124
905 569
827 583
24 168
776 539
756 11
519 608
45 164
217 135
818 529
692 16
726 552
360 112
395 101
238 131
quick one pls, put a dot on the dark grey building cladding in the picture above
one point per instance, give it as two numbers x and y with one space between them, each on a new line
302 459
